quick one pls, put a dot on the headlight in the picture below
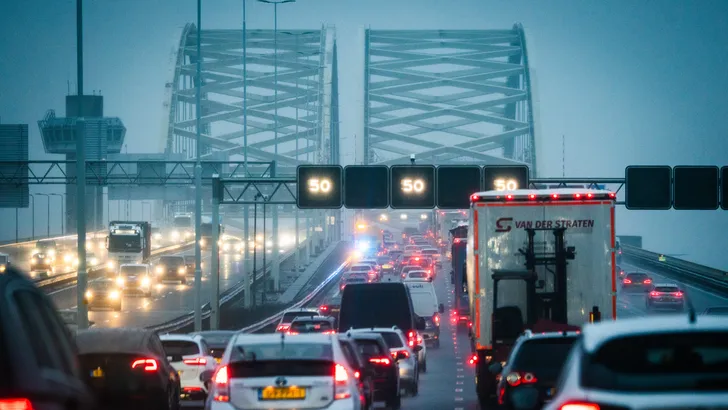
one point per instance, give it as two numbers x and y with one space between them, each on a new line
175 234
94 261
34 251
2 268
181 271
202 242
34 261
120 281
52 252
114 294
239 247
160 269
89 295
67 258
226 247
89 245
146 281
110 264
158 236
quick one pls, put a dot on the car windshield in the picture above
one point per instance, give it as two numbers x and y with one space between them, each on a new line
273 351
171 261
102 284
311 326
289 316
543 357
660 362
133 270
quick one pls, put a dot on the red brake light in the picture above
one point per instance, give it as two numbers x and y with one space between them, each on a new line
198 361
436 318
222 384
149 365
627 281
577 196
283 328
396 352
509 197
579 406
15 404
555 196
340 374
531 196
648 281
380 360
474 197
357 375
590 196
678 294
654 294
611 195
516 378
457 240
323 308
473 359
290 333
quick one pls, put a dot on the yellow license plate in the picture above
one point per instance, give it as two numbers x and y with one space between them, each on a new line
386 266
98 373
218 359
179 372
283 393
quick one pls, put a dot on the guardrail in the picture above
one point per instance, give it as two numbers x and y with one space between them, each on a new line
70 277
682 270
277 317
31 241
231 293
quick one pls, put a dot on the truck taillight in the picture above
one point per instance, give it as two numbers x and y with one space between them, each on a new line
473 359
15 404
579 406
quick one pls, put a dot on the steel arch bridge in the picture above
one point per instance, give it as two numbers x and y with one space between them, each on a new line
448 96
292 96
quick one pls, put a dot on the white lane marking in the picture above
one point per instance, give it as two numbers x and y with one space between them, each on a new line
458 399
458 390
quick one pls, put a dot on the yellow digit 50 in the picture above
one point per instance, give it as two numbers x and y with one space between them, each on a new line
505 184
413 185
319 186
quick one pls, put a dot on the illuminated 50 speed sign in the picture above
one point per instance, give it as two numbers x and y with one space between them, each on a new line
319 186
505 177
412 186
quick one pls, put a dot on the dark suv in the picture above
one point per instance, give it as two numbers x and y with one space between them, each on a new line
172 268
532 369
385 370
363 369
637 281
37 353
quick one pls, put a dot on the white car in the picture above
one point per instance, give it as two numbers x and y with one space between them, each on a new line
190 356
668 361
291 314
409 367
277 371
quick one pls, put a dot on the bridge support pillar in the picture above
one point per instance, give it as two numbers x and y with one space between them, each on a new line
248 265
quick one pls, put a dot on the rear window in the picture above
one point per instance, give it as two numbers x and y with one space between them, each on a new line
277 351
369 347
393 340
289 316
178 348
311 326
383 260
351 356
637 276
430 251
356 279
543 357
392 307
417 274
171 260
666 289
685 362
362 268
288 367
133 270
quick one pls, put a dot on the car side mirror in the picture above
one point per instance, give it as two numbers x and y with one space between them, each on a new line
206 376
401 356
421 325
441 308
417 349
495 368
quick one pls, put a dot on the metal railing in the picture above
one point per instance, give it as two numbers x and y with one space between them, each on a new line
688 272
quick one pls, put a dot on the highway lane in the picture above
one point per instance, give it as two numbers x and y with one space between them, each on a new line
634 304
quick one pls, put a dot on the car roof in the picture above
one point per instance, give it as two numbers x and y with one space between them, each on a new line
301 310
528 335
252 339
377 330
666 285
180 337
113 340
313 319
594 335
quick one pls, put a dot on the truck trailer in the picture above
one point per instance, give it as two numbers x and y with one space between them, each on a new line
542 260
129 242
460 314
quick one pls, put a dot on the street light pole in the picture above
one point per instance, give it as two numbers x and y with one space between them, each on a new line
32 235
255 248
82 320
198 176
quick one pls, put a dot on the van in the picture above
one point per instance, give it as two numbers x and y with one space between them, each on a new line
424 302
369 305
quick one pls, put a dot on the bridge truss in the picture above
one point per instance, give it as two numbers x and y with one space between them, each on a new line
448 96
291 96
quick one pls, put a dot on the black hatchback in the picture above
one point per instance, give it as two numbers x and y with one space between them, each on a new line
532 369
637 281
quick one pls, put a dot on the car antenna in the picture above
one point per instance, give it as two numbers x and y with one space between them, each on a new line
691 311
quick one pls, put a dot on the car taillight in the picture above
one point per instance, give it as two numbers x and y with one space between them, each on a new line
654 294
198 361
436 318
380 360
579 406
15 404
221 380
323 308
396 352
329 332
678 294
341 383
518 378
627 281
149 365
648 281
283 328
419 339
291 333
411 339
473 359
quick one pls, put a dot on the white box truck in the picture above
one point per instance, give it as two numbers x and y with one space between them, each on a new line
536 259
